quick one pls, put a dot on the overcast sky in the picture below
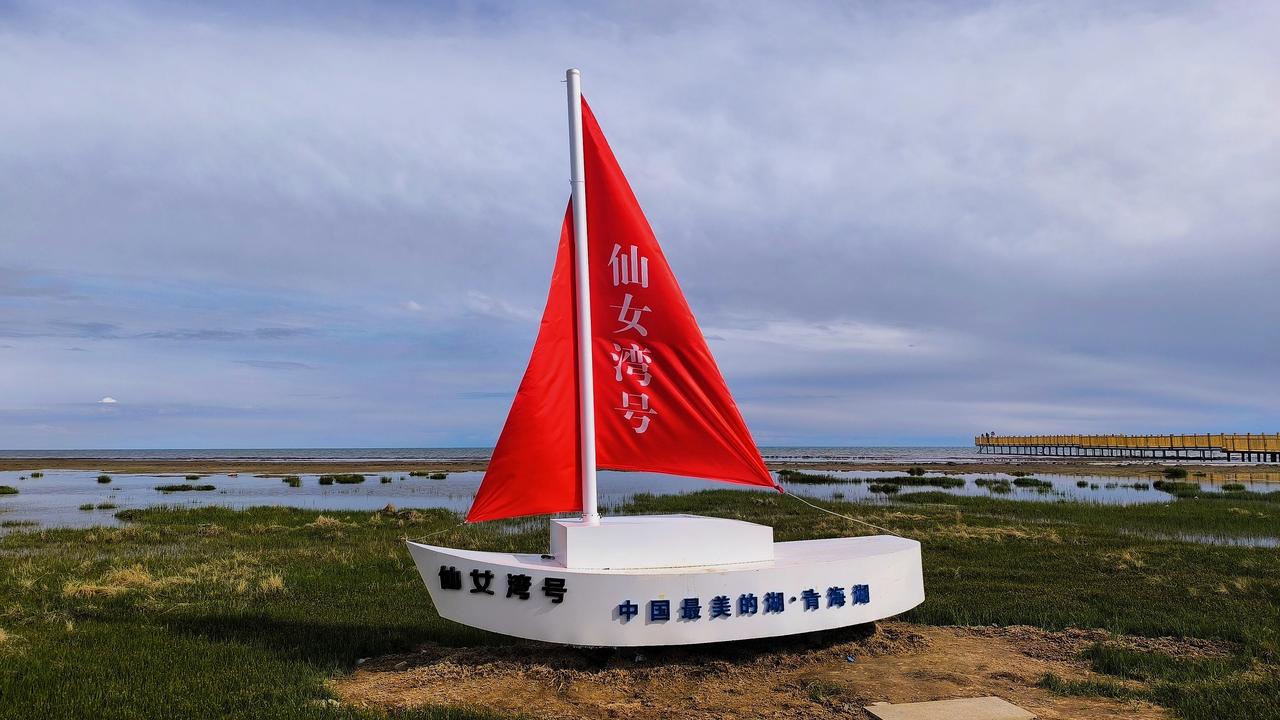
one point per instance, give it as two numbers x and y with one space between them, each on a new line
332 224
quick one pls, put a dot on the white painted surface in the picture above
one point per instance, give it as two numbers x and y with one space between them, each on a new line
582 281
658 541
589 613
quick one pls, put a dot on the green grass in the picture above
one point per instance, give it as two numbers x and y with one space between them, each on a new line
247 613
8 490
185 487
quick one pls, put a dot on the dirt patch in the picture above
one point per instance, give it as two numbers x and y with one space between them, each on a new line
825 675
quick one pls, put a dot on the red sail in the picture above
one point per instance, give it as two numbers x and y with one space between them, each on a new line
661 404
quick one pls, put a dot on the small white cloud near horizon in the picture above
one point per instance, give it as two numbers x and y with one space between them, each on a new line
108 400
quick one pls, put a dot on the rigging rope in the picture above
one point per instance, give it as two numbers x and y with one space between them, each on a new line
839 515
439 532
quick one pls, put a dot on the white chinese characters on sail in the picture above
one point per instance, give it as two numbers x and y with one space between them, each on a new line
629 268
632 362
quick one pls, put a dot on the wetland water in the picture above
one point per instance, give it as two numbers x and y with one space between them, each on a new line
57 498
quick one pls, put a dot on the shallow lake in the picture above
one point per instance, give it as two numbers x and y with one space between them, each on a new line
57 499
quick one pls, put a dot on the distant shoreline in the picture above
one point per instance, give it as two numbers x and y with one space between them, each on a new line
1072 466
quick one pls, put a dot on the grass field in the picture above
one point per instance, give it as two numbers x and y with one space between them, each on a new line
219 613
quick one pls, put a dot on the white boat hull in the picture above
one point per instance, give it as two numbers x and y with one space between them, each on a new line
855 580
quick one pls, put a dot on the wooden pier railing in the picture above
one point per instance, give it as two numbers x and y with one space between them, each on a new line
1247 448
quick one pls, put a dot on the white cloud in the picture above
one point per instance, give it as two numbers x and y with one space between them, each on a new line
977 212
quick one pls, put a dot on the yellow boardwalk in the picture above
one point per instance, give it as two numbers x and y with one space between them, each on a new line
1246 448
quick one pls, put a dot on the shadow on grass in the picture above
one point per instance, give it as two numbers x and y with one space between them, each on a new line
320 643
327 644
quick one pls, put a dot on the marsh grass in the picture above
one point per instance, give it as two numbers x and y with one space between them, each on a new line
1082 483
87 506
884 488
184 487
171 618
1025 481
1175 473
37 475
104 479
916 471
292 480
1233 487
8 490
1193 687
438 476
326 479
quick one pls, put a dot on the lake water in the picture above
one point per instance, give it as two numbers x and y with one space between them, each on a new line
55 499
355 455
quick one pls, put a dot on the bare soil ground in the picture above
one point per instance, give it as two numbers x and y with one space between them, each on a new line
828 675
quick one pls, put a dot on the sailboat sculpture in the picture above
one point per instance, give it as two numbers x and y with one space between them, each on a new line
621 378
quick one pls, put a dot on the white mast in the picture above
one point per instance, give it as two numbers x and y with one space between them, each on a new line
582 275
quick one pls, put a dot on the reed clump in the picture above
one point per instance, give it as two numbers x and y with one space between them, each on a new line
342 479
8 490
1024 481
1233 487
916 471
193 477
1175 473
37 475
995 485
104 479
184 487
87 506
292 480
1178 489
804 478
